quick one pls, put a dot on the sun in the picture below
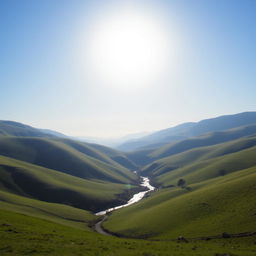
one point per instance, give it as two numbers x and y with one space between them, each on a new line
128 48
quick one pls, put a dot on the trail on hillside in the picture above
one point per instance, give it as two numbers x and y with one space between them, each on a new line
136 198
98 228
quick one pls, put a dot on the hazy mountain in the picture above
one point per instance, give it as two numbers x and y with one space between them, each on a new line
186 130
202 154
54 133
112 142
208 139
144 157
11 128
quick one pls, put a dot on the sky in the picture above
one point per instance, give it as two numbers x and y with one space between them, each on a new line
111 68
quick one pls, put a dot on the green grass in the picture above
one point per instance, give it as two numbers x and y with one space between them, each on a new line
10 128
59 213
203 140
23 235
116 156
37 182
48 186
211 168
67 156
198 154
223 204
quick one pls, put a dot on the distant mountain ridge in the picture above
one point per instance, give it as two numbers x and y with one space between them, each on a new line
186 130
11 128
54 133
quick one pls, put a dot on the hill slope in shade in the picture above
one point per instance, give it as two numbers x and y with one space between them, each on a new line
71 157
40 183
116 156
187 130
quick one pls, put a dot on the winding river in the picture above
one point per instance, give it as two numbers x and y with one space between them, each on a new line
137 197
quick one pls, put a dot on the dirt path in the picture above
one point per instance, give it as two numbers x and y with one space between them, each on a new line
136 198
98 228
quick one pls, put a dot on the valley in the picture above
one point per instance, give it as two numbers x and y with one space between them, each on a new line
199 199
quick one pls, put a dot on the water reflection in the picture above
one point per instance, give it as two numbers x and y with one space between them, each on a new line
137 197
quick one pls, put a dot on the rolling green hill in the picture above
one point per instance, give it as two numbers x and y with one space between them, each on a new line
59 213
26 235
116 156
187 130
28 180
147 156
71 157
10 128
204 140
222 204
195 155
48 182
218 195
210 168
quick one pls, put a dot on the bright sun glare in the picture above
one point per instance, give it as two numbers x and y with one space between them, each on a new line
128 48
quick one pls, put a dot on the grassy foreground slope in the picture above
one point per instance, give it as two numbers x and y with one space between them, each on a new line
59 213
23 235
44 184
67 156
223 204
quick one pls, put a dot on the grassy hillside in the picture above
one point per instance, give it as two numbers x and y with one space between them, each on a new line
59 213
10 128
148 155
204 140
157 138
140 157
28 180
23 235
187 130
116 156
211 168
191 156
222 204
71 157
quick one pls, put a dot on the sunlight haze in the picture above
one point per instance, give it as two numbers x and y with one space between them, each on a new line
111 68
128 47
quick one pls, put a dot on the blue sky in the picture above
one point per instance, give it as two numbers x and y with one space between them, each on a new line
44 83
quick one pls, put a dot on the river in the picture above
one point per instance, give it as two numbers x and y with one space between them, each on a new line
137 197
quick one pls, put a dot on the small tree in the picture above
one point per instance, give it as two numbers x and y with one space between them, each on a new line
181 183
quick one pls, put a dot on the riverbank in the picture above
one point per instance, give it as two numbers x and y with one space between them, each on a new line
136 198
